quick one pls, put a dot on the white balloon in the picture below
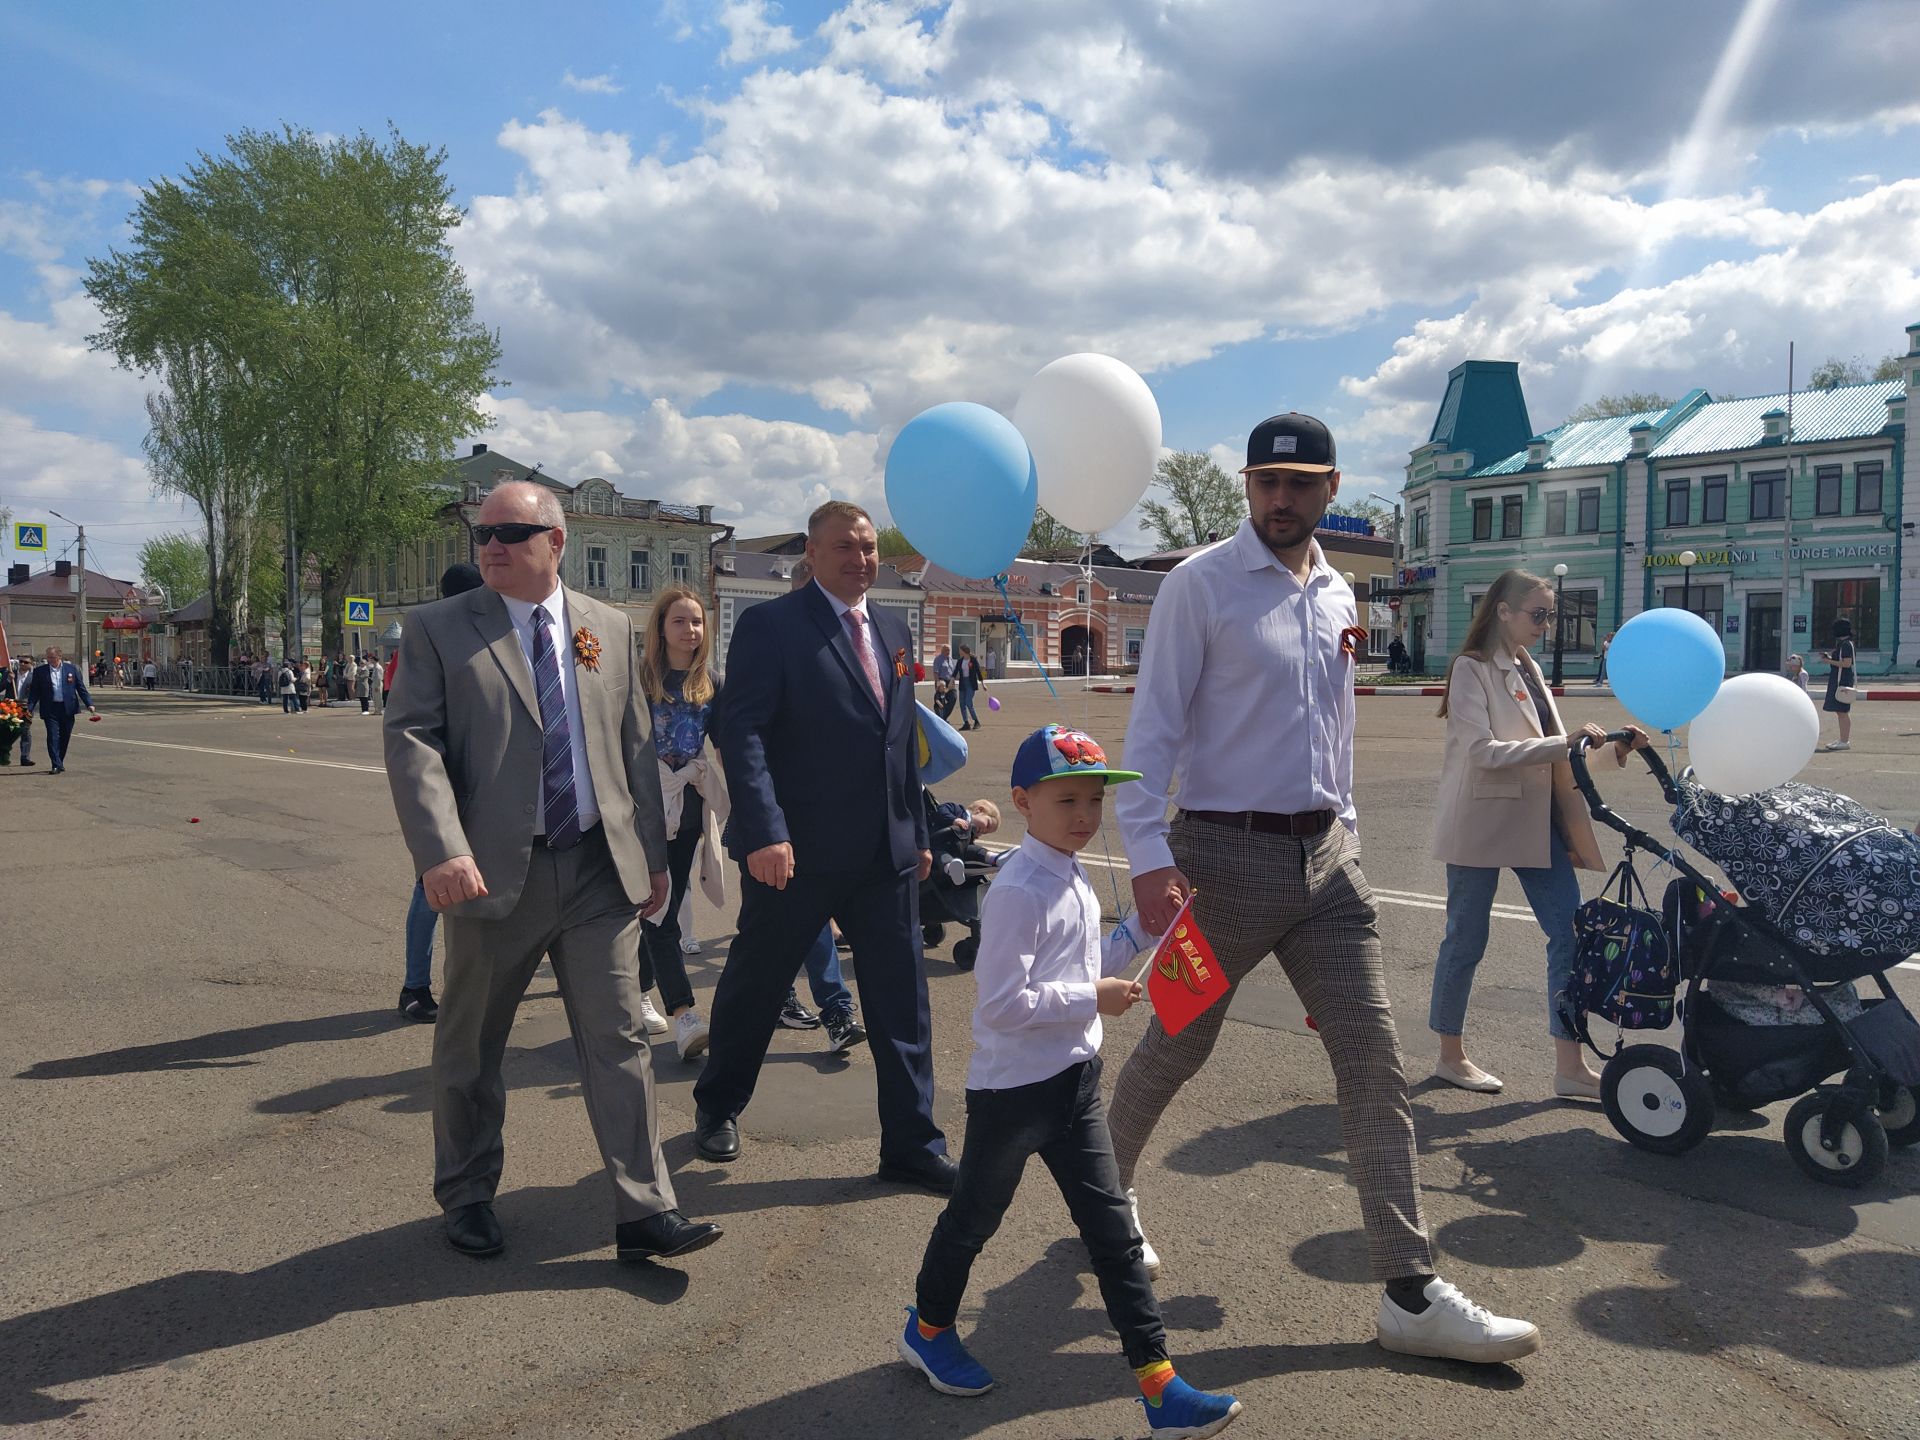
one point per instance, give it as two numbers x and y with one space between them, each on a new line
1759 731
1094 429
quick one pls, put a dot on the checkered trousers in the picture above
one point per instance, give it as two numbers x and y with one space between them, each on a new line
1306 902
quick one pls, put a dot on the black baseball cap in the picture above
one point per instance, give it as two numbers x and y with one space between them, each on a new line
1290 442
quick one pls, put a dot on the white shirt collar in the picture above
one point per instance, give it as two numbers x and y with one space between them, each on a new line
521 611
1255 555
840 607
1055 862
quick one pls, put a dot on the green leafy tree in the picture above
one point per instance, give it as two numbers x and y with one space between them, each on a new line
894 543
1047 536
1631 402
313 282
1888 368
1202 500
1838 370
177 563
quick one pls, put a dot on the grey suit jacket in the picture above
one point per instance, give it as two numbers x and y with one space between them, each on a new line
463 746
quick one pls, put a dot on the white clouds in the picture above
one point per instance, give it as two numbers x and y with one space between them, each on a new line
43 469
751 33
592 84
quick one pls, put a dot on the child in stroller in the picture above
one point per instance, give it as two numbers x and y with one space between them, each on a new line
961 870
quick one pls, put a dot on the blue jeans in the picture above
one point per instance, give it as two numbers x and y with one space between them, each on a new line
830 994
421 918
1554 894
968 715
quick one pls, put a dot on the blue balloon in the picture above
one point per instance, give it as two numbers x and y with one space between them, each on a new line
961 486
1666 666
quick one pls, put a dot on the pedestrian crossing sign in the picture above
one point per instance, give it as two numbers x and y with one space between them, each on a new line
30 535
359 610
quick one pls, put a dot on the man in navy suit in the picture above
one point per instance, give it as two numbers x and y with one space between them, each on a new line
816 728
57 692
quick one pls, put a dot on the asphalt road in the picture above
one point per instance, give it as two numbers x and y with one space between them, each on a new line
215 1216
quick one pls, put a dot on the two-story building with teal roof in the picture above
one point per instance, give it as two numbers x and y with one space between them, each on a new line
1620 501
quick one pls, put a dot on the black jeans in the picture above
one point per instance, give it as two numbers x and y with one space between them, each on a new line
660 957
1064 1122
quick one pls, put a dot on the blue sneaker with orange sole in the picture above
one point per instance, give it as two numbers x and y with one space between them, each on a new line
1184 1413
944 1360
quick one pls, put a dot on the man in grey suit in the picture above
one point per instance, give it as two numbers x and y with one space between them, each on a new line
521 759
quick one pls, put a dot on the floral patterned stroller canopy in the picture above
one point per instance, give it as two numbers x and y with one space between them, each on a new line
1830 876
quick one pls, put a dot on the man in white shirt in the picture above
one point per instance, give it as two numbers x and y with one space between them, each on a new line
1246 690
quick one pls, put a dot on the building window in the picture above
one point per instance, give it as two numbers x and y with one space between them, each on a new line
596 567
1706 601
1579 621
963 633
393 571
1589 512
637 570
1557 513
433 559
1082 595
1510 517
1866 489
1136 637
1679 502
1483 519
680 567
1855 600
1420 529
1826 490
1765 499
1713 500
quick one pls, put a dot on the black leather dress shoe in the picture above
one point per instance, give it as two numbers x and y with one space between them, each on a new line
716 1137
472 1230
929 1172
662 1235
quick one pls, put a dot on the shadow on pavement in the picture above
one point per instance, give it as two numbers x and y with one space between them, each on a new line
220 1050
199 1311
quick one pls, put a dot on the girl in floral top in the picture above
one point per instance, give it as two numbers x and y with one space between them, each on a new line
681 686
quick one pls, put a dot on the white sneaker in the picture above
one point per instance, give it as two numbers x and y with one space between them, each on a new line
1452 1327
689 946
655 1022
1836 745
1149 1257
690 1034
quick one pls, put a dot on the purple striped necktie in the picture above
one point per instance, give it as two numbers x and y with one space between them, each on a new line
863 648
560 801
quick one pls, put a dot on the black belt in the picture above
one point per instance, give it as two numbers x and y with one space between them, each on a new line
1264 822
540 841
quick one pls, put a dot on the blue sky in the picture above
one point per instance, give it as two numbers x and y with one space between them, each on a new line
731 247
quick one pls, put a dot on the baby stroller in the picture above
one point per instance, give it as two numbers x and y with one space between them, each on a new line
1789 851
951 892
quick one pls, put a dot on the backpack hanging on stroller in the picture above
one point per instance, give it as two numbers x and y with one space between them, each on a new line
1829 892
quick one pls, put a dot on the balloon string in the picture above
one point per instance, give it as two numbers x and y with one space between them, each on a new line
1000 584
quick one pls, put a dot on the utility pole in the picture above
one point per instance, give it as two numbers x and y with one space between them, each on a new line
1786 532
80 655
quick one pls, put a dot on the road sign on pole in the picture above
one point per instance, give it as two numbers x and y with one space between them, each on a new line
30 535
359 610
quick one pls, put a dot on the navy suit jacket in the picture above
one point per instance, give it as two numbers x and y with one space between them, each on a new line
810 759
39 696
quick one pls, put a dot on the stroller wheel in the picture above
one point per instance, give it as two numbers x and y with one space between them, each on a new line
965 952
1655 1100
1859 1152
1901 1119
932 935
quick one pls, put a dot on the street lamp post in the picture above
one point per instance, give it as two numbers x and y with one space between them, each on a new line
1559 619
1687 561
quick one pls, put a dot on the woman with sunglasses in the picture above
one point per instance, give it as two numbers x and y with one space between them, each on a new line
1507 802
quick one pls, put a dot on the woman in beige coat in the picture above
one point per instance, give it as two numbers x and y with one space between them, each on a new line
1508 802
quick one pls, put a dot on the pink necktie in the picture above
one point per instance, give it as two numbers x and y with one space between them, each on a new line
863 649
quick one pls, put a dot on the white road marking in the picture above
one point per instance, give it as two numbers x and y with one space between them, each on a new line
240 754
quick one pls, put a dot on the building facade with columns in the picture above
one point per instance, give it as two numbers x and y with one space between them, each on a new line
1789 529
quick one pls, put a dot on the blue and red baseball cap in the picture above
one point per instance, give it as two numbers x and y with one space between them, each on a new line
1060 752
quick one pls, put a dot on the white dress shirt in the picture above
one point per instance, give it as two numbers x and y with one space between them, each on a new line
1244 699
1037 1011
56 680
840 609
561 631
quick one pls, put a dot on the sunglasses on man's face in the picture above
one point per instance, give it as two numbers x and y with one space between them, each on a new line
508 534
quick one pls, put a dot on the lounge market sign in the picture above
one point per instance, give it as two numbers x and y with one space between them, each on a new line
1871 550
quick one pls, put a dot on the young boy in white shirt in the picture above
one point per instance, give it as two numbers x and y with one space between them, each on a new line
1045 977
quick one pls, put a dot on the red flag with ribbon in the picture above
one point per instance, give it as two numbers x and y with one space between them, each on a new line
1184 980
